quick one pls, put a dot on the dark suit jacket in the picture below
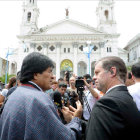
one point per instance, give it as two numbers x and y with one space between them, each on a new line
114 117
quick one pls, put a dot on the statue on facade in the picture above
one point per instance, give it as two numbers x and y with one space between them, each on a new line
67 12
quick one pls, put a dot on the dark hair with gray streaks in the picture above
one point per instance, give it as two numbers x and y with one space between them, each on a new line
114 61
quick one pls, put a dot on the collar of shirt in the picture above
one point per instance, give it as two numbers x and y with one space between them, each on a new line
36 85
114 87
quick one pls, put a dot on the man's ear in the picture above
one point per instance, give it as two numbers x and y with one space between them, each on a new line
35 76
113 71
133 77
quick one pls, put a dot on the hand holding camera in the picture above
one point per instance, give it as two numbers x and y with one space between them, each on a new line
70 112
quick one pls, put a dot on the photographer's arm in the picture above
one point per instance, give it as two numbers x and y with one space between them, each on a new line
93 92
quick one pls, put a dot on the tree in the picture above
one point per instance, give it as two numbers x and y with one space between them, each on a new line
128 68
2 79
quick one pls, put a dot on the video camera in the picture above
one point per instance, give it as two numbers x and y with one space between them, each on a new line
79 84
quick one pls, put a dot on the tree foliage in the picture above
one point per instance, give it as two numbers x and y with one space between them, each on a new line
128 68
2 79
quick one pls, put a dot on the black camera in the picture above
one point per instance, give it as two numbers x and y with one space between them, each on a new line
79 82
64 101
73 98
89 80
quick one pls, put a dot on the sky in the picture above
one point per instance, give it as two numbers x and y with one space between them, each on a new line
126 15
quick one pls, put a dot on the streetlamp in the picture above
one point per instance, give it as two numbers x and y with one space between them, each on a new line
7 54
87 50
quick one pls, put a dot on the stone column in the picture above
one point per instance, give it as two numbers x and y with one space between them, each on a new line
58 48
45 48
75 48
32 47
102 49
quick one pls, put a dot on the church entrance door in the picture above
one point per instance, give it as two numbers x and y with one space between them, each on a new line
66 66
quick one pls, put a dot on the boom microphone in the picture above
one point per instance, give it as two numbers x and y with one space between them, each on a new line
57 99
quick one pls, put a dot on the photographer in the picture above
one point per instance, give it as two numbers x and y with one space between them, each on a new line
67 77
72 90
87 94
90 96
89 86
62 87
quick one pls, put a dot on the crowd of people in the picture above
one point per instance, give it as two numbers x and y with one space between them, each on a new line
36 106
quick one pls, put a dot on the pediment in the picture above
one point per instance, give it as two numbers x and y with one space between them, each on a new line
122 50
68 26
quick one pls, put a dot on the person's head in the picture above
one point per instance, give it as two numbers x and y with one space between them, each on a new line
62 87
87 76
129 79
54 85
12 82
60 80
37 67
109 71
18 79
136 70
72 82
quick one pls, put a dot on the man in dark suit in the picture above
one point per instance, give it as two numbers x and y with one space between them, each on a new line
115 115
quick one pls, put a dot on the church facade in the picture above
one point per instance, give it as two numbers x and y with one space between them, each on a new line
73 46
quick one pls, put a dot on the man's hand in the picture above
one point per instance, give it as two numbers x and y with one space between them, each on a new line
77 112
70 112
68 115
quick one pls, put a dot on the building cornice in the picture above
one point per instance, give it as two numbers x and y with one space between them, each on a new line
133 40
68 37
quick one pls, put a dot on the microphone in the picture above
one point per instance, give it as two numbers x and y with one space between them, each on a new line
57 99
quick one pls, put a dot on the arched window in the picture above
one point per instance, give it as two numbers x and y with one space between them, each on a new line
68 50
64 50
110 49
106 14
107 49
26 49
29 16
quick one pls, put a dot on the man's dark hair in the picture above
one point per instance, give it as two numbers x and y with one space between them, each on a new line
87 76
129 75
136 70
18 75
114 61
60 79
62 84
34 63
12 81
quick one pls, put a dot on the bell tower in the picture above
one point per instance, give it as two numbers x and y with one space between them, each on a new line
105 15
30 17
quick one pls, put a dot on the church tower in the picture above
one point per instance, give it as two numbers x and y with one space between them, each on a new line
30 17
105 15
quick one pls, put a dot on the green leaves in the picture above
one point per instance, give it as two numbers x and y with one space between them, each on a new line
2 79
